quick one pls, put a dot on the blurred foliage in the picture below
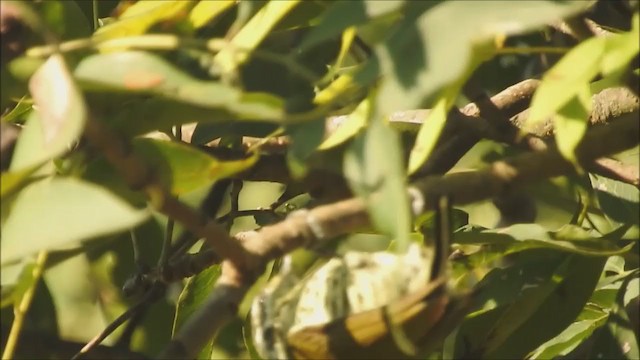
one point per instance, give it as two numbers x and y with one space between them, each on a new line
564 286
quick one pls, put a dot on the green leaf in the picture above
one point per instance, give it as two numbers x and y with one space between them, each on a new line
520 237
497 291
252 34
142 116
623 333
205 11
139 17
61 111
524 307
343 14
65 18
57 212
305 140
429 133
552 306
428 52
373 167
179 167
50 130
571 123
73 291
11 181
137 71
565 80
569 339
18 112
182 168
621 49
347 126
17 284
632 291
193 295
618 200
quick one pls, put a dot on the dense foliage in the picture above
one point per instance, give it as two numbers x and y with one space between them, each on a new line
144 143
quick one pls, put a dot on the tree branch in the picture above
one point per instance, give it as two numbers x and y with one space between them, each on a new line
324 222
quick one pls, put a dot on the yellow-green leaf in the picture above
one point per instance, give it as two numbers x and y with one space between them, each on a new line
57 212
621 49
571 123
205 11
348 126
429 133
185 168
248 38
139 17
563 81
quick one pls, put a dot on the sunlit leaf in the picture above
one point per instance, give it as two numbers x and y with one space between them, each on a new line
205 11
621 49
53 128
566 80
344 14
185 168
139 17
571 123
73 288
632 291
428 52
180 168
138 71
57 212
347 126
251 34
376 173
429 133
61 111
11 181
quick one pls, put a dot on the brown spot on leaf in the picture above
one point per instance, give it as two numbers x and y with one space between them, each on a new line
140 80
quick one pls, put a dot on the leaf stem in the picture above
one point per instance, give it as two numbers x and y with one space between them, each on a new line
171 42
94 8
23 307
532 50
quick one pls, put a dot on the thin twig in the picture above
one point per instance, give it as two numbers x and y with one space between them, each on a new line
149 297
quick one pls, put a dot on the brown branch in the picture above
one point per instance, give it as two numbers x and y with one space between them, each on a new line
139 176
607 105
467 124
327 221
498 118
502 176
